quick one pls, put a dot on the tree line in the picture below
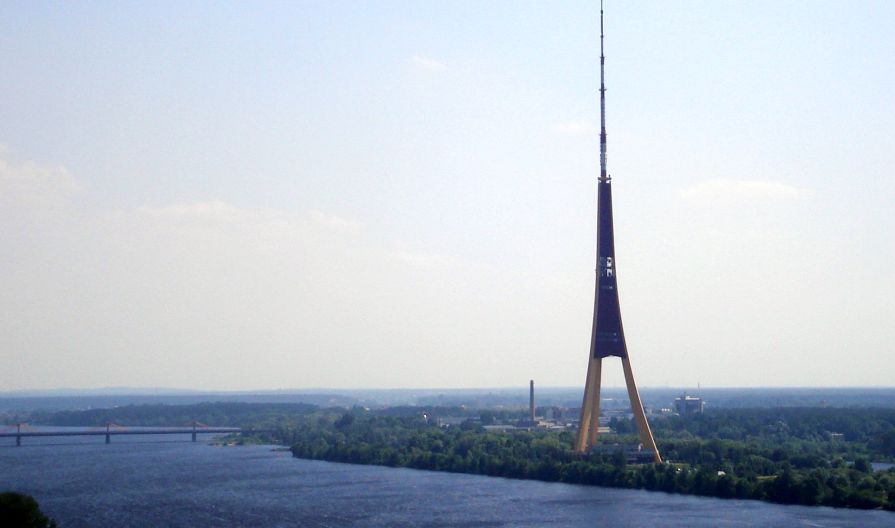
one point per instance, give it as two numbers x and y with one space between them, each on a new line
790 473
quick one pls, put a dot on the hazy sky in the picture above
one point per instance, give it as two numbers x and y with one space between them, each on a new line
402 194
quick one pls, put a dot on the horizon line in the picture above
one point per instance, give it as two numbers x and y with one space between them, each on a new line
153 391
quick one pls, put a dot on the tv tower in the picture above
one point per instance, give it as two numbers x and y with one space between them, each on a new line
607 335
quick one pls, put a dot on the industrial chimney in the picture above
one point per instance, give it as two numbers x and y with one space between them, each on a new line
531 401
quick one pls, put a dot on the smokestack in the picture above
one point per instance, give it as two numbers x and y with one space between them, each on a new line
531 400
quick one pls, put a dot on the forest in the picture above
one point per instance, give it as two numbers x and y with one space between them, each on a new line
22 511
766 460
219 414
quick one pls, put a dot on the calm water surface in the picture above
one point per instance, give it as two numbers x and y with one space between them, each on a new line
169 481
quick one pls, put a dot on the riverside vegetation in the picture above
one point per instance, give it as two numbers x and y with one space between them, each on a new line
22 511
785 455
781 456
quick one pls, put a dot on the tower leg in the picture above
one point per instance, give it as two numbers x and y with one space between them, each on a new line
646 435
589 419
595 409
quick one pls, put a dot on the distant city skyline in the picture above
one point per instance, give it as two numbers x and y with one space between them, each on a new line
402 195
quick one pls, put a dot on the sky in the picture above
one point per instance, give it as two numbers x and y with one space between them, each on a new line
264 195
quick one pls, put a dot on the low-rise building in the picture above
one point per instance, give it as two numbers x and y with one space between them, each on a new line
688 405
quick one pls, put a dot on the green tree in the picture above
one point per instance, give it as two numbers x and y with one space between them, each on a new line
21 511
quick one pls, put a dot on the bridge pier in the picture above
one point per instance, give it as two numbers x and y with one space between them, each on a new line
18 441
108 439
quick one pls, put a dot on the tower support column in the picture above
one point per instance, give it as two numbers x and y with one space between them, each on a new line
588 426
646 435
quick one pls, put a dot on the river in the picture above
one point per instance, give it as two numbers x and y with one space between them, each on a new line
170 481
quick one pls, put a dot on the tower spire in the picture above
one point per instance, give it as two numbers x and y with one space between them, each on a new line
604 176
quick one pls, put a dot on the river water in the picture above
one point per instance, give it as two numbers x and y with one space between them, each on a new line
169 481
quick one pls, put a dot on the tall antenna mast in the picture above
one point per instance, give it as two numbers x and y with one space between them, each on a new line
607 338
603 175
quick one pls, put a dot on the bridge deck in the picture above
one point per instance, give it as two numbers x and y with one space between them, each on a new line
115 432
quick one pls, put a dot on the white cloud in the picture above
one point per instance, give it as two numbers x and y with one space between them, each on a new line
726 191
573 128
427 63
31 185
427 260
265 230
214 294
210 210
335 222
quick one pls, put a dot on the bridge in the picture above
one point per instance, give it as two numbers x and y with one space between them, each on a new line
22 430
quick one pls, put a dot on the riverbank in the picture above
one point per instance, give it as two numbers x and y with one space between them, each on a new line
716 468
